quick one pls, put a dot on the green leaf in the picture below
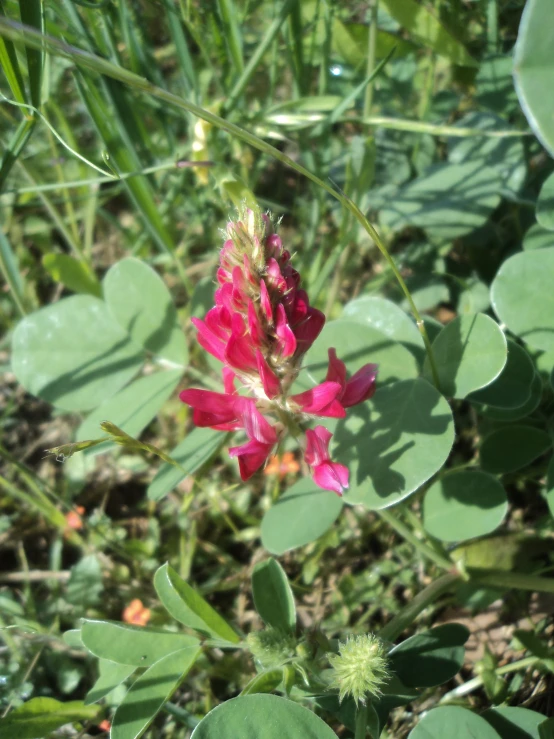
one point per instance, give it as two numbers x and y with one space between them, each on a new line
256 716
357 345
463 505
389 319
73 354
142 304
545 204
39 717
506 155
514 296
349 42
111 675
132 408
512 387
470 352
301 515
272 595
514 723
538 237
149 692
395 443
495 85
510 448
198 446
188 607
85 582
265 682
448 200
74 274
546 729
515 414
426 28
131 645
430 658
453 722
534 68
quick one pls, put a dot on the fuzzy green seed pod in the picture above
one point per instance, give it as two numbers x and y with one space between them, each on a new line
271 647
361 667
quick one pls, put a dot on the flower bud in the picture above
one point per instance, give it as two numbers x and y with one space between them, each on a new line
361 668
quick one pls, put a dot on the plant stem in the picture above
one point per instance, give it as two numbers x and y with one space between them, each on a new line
510 580
30 37
371 50
409 613
476 682
361 722
406 533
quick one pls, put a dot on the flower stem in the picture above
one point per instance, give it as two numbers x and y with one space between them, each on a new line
371 50
361 722
476 682
406 533
409 613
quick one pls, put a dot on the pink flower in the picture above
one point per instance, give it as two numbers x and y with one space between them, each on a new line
328 475
260 327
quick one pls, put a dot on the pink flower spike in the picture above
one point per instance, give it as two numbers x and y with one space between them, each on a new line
270 381
285 337
321 400
361 386
274 278
252 456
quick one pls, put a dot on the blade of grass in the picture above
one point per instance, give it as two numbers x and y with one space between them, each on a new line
297 44
233 37
10 67
181 47
32 14
89 61
14 148
8 267
256 57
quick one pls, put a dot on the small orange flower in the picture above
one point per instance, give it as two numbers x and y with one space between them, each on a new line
73 518
136 613
104 725
282 465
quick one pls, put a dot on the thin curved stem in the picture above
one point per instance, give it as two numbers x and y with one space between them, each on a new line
31 37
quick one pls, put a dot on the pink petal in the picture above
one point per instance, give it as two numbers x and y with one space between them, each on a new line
255 327
249 275
317 445
360 386
252 456
256 426
300 307
336 372
274 245
229 380
209 340
331 476
321 400
266 302
239 352
309 329
286 339
274 278
270 381
209 401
